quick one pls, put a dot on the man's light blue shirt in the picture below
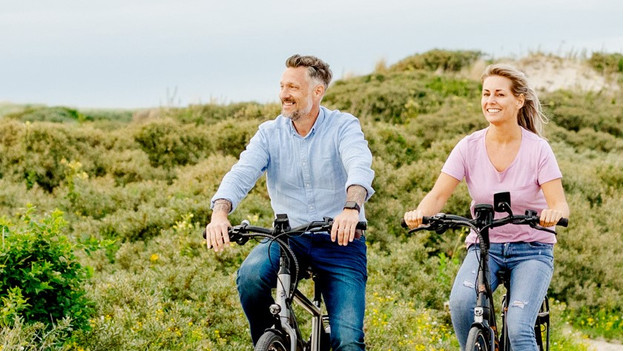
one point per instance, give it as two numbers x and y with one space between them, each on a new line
307 177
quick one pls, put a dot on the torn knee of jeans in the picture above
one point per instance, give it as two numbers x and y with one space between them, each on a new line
469 284
519 304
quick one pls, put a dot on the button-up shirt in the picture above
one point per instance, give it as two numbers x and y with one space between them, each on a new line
307 176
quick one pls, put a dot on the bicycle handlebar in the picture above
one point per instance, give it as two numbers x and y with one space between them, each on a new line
442 222
241 233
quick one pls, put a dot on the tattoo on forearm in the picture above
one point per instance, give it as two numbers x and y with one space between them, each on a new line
356 193
222 205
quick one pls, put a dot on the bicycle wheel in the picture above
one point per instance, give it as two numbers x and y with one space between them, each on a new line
478 340
272 341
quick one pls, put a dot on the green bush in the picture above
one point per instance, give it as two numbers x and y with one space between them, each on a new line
41 279
48 114
33 153
573 111
212 113
398 97
230 136
445 60
169 144
606 63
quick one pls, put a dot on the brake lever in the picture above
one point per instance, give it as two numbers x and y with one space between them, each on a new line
419 229
236 235
539 227
440 229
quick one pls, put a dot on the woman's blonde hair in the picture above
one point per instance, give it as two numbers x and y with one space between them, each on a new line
530 115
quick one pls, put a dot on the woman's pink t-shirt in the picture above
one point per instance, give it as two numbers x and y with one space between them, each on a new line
535 164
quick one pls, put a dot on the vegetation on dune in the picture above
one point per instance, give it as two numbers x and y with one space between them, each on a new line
103 211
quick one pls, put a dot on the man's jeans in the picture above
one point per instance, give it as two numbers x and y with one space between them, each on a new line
342 278
531 267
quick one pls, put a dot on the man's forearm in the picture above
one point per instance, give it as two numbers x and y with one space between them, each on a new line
356 193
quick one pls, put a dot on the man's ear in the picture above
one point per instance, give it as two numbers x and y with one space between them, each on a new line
319 91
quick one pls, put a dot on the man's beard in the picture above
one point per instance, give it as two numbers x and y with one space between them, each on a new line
294 116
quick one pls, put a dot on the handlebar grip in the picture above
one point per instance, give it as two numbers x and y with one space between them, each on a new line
361 225
563 222
425 220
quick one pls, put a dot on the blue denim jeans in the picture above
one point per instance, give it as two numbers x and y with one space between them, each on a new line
342 278
531 267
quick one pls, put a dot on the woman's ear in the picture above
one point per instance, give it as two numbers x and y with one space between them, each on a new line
520 101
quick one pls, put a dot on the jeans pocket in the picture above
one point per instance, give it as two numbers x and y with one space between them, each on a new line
542 250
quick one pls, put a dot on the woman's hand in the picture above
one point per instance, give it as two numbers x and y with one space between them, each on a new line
413 218
549 217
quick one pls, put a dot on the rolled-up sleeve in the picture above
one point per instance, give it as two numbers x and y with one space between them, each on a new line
244 174
356 156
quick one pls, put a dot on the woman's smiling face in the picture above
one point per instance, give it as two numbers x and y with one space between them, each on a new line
498 103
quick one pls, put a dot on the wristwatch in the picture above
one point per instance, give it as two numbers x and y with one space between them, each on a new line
352 205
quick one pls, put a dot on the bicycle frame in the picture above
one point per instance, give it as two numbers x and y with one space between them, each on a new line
484 308
285 290
282 309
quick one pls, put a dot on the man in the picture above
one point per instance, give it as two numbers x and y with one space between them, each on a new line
318 165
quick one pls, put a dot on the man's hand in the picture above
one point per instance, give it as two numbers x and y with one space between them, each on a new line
217 230
217 234
344 226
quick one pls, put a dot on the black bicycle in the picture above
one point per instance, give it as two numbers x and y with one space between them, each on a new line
483 334
285 333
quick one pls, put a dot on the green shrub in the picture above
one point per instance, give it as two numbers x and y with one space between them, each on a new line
445 60
400 96
606 63
213 113
230 137
573 111
169 144
48 114
37 336
33 153
41 279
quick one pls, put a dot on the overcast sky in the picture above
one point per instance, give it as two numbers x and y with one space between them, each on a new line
149 53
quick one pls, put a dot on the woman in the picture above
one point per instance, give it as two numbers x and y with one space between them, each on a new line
508 155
